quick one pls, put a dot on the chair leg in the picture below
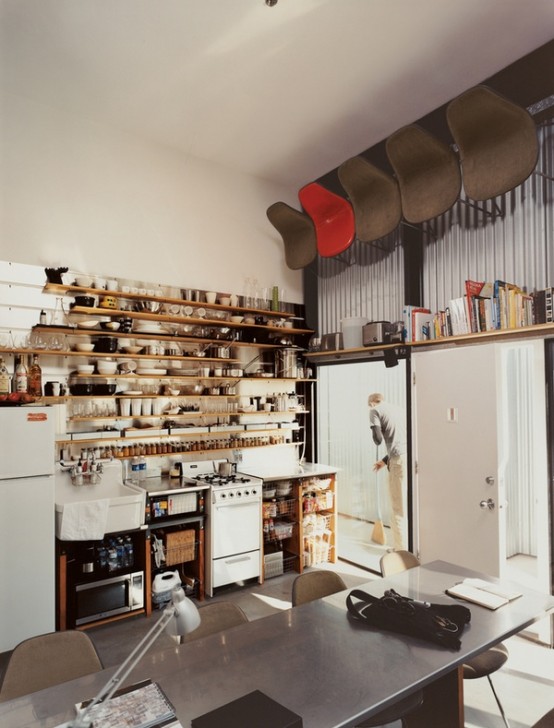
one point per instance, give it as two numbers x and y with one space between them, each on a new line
498 702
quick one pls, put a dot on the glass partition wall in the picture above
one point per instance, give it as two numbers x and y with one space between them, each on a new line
345 440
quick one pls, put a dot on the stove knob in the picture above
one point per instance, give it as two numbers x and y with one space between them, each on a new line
223 495
254 491
238 493
246 492
231 494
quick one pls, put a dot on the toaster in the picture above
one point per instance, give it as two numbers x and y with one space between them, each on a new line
376 332
331 342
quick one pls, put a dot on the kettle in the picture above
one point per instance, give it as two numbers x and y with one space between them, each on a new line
226 469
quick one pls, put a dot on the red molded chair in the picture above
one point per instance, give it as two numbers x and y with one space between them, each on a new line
298 233
333 218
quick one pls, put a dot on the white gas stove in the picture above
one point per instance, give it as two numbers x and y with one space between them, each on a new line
233 525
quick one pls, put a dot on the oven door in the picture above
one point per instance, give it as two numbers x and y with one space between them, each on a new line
236 528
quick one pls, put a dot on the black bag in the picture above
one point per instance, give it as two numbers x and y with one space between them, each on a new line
439 623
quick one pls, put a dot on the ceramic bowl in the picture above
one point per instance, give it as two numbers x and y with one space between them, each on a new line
132 349
84 347
236 319
110 325
225 300
85 368
84 281
106 367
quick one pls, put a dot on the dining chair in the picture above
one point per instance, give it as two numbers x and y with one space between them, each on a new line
314 585
49 659
483 665
321 583
216 617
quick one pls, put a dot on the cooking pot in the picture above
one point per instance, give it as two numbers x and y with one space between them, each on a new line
105 344
286 363
226 469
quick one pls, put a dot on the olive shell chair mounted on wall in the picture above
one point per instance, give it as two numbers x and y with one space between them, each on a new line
49 659
496 139
321 583
393 562
428 173
374 196
298 232
333 218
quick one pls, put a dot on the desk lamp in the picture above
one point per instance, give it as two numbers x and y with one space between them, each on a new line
180 617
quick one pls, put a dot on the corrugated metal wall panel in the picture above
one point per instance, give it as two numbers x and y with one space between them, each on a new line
509 238
371 285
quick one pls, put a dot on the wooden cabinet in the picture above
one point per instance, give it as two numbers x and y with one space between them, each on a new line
299 515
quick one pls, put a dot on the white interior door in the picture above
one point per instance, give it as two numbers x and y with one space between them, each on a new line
457 471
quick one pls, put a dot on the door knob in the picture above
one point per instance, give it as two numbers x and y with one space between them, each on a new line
489 503
489 480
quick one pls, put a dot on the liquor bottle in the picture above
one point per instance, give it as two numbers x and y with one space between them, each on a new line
4 378
34 385
20 378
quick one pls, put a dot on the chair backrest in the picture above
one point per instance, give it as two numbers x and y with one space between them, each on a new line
314 585
374 196
298 232
393 562
49 659
427 171
216 617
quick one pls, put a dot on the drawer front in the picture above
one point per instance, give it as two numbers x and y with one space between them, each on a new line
236 568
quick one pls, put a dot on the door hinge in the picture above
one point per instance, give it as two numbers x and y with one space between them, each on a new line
416 468
413 379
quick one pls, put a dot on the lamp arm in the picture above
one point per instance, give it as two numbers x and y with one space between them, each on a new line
82 720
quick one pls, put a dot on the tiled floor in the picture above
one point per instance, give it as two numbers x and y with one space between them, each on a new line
525 684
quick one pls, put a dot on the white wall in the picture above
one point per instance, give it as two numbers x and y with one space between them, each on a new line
98 200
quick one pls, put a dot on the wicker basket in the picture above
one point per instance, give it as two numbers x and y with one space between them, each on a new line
180 547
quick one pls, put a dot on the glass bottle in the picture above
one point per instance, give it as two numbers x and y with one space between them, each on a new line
20 376
4 378
34 385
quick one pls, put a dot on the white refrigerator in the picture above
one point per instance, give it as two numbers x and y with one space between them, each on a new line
27 551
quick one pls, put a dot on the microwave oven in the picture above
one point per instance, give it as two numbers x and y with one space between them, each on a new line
104 598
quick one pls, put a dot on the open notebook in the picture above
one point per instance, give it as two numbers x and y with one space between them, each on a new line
485 593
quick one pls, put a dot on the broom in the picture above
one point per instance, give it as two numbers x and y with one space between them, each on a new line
378 534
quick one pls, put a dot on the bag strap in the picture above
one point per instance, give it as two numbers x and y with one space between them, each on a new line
356 610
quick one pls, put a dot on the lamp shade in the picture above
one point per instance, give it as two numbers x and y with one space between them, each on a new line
186 617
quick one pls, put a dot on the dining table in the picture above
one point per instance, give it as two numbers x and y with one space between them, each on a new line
314 660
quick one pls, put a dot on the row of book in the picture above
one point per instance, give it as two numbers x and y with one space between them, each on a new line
484 307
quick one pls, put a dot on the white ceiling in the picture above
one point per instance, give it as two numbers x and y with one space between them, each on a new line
285 93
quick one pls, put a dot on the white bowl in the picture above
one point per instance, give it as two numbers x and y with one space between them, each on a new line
236 319
224 300
84 347
106 367
112 325
87 324
84 281
132 349
85 368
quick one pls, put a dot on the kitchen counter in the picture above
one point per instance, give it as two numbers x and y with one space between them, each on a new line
165 484
277 472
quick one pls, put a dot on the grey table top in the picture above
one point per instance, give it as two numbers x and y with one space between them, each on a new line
312 659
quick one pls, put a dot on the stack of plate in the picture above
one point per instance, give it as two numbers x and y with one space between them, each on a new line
152 372
148 327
